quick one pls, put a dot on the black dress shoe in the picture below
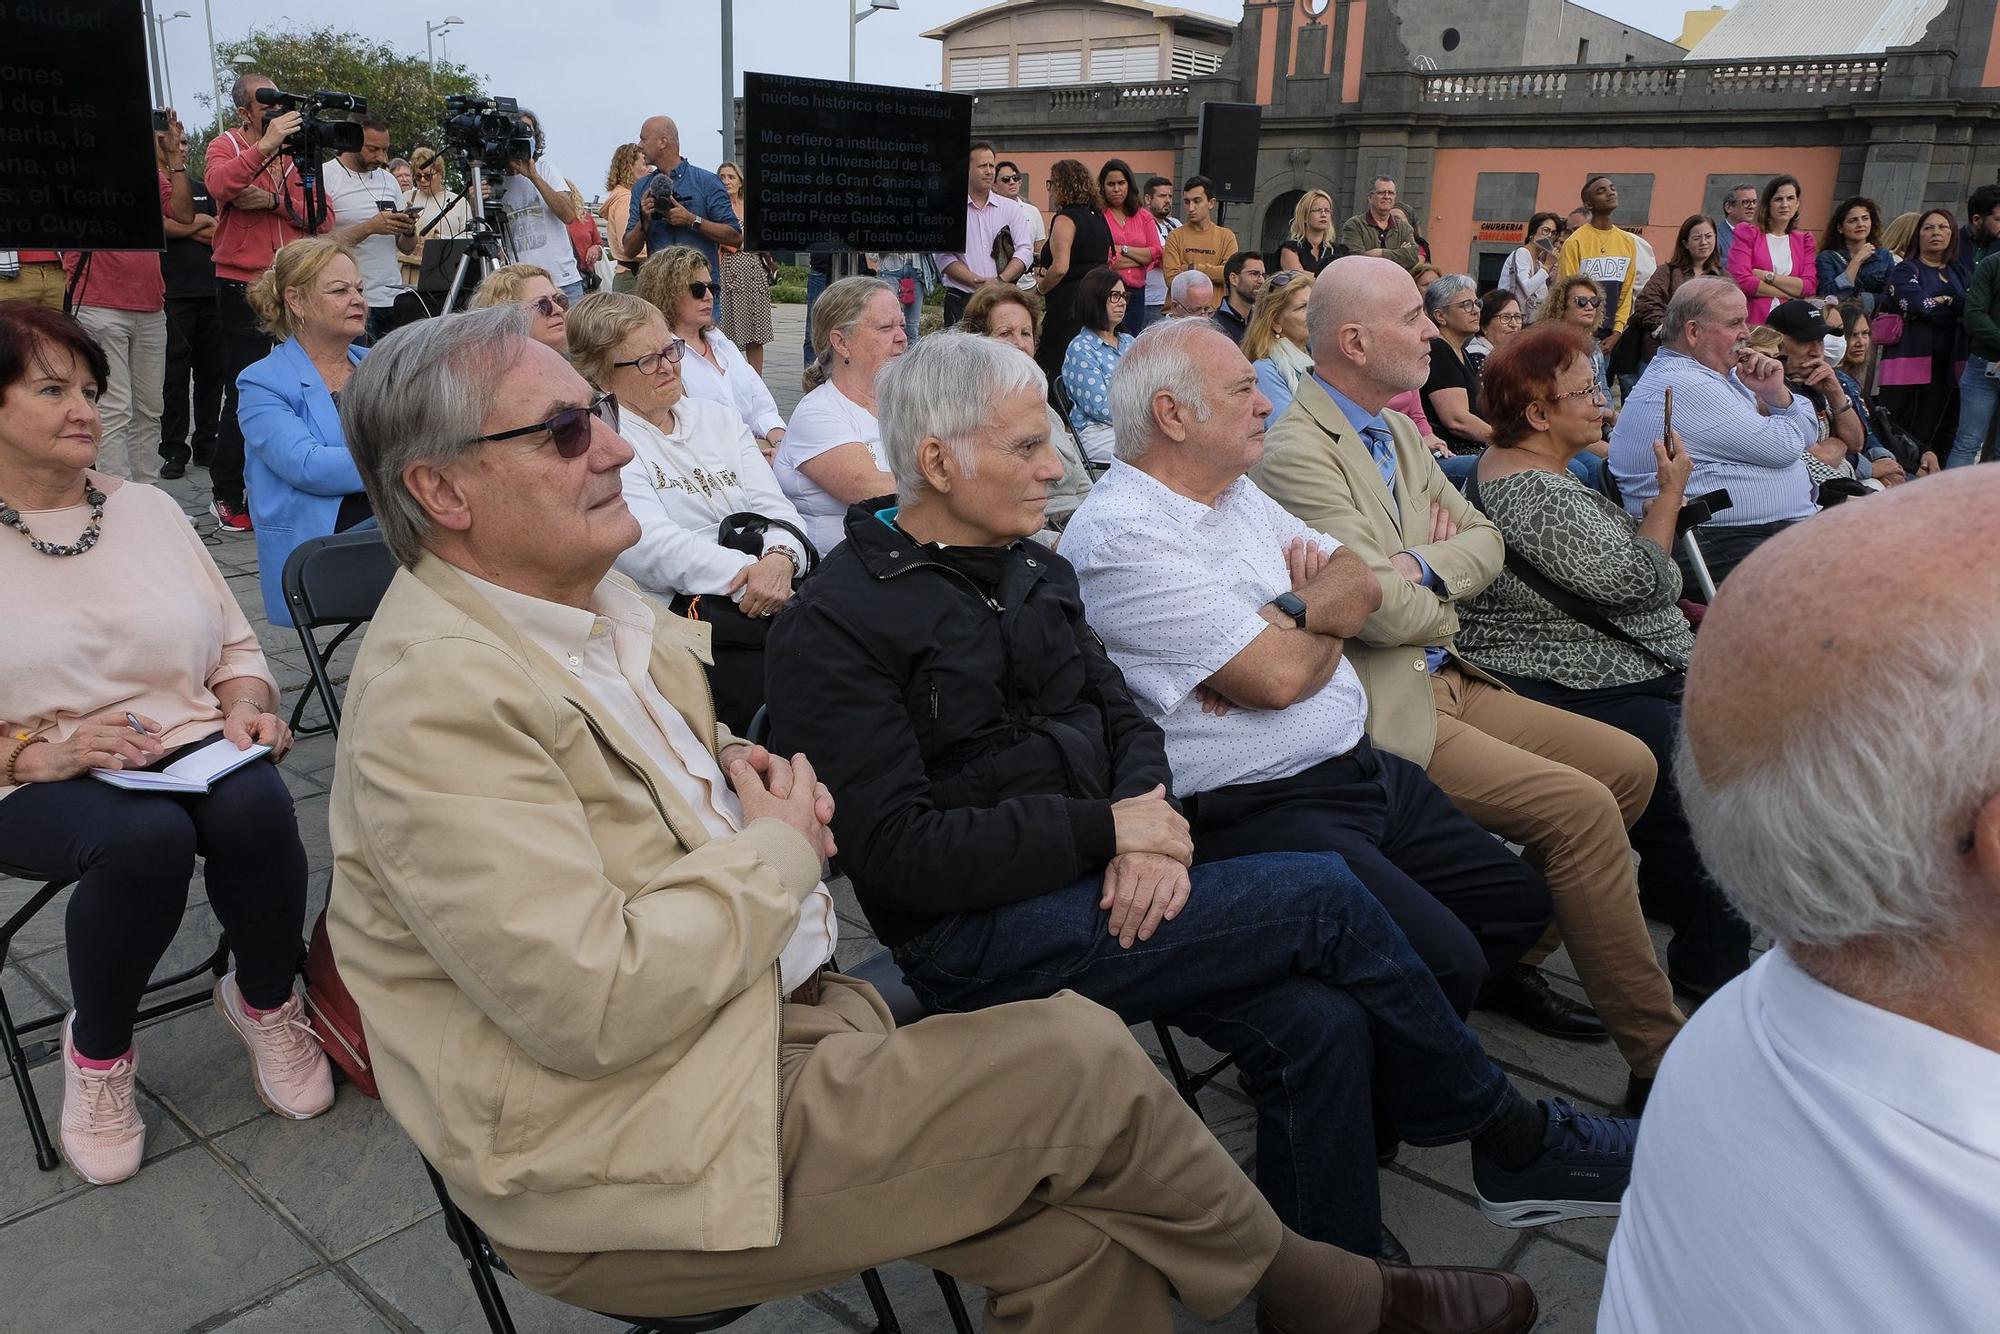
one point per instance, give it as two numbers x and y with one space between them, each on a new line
1638 1088
1526 995
173 469
1391 1248
1693 993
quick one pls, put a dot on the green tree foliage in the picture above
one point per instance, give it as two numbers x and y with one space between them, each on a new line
403 88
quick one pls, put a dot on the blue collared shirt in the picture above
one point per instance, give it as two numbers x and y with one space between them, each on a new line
703 194
1361 419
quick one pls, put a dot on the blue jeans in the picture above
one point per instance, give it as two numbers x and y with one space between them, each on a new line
1288 963
1586 468
574 291
914 312
1978 396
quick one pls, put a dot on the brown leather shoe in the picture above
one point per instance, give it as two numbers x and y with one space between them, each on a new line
1441 1299
1445 1299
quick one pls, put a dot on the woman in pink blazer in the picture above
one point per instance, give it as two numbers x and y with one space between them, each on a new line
1773 258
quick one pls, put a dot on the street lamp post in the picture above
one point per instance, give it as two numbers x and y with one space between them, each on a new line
435 29
166 63
214 70
854 17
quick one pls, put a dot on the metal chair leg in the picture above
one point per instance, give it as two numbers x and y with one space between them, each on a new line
954 1303
31 1107
1182 1084
878 1297
491 1304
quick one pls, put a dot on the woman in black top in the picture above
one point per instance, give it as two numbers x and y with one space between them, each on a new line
1079 241
1311 246
1451 395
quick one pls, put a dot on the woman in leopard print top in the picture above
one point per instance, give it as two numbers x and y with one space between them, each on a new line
1545 407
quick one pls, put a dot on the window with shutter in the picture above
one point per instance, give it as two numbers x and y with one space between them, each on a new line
1190 63
1038 68
969 72
1125 64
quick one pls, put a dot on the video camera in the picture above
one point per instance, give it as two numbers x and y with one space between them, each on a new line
317 137
487 130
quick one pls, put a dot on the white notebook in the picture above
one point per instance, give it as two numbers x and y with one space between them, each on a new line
192 772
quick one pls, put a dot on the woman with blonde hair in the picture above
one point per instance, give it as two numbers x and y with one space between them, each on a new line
301 480
695 466
1311 246
679 282
1898 235
832 455
430 196
628 162
746 280
1013 315
533 286
1275 341
1079 241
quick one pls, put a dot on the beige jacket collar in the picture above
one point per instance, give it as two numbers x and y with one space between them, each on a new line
1347 443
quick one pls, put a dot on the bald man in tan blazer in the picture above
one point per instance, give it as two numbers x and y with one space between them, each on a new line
1565 787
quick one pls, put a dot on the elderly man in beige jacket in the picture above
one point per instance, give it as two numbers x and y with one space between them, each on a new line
586 932
1566 787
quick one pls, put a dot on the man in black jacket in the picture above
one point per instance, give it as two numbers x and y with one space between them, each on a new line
1002 811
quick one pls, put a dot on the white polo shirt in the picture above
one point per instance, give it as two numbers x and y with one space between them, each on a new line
1811 1162
356 196
1174 587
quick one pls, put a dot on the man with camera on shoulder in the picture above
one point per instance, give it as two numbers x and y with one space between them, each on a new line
368 214
260 206
680 204
536 210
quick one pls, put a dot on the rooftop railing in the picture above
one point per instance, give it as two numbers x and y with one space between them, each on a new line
1819 75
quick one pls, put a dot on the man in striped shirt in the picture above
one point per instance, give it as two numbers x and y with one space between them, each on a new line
1744 429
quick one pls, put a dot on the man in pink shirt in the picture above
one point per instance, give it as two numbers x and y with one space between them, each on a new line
260 205
987 215
121 297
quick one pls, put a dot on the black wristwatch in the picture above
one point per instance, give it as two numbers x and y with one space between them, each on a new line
1293 606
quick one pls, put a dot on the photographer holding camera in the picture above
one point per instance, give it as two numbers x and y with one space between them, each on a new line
677 203
261 205
536 211
368 214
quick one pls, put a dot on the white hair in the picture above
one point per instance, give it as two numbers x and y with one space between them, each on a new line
948 385
1158 361
1693 302
1850 832
1186 282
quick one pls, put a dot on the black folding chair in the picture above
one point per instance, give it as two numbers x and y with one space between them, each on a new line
20 1058
333 581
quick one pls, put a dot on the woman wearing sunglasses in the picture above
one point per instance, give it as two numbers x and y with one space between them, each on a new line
1546 407
1577 300
430 196
679 282
532 286
694 465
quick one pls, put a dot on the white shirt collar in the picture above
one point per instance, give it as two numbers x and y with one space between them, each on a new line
560 630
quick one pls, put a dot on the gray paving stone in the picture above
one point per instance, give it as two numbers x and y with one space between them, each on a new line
193 942
183 1238
323 1304
198 1069
313 833
1566 1285
1593 1069
23 1185
44 930
350 1177
1439 1228
418 1271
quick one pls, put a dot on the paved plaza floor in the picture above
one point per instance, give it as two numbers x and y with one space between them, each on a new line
243 1222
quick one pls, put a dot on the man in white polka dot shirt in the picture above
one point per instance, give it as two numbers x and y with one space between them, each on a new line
1228 618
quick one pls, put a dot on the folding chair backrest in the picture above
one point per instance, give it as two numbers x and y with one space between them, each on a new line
338 580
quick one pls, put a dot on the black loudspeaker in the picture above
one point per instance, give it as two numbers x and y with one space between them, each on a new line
1227 150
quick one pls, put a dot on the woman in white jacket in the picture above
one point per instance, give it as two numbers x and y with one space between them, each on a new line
718 541
678 281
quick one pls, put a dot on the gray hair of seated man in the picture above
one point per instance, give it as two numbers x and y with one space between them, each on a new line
1186 284
948 385
1693 301
1162 359
421 396
1445 290
1854 836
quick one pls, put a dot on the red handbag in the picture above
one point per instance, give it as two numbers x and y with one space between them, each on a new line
335 1019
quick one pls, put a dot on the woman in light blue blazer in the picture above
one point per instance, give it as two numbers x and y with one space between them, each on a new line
301 479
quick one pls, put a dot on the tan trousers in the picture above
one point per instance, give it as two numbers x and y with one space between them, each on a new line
1566 788
1031 1149
135 347
41 283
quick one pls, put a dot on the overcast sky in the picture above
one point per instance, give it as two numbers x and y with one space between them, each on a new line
595 70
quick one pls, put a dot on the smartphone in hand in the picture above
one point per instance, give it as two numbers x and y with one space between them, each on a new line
1667 422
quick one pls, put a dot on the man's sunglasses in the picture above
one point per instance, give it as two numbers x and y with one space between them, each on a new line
550 306
702 292
568 429
671 354
1007 180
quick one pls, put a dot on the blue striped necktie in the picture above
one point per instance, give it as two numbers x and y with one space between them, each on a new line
1379 445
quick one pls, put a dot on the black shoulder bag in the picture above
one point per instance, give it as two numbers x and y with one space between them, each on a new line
1569 604
727 626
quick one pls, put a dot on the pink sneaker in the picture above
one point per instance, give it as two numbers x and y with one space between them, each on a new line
102 1135
293 1077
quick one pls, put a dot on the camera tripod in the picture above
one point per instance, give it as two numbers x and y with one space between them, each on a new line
486 248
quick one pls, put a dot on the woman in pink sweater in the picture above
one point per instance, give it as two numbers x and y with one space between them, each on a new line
138 657
1135 239
1774 259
